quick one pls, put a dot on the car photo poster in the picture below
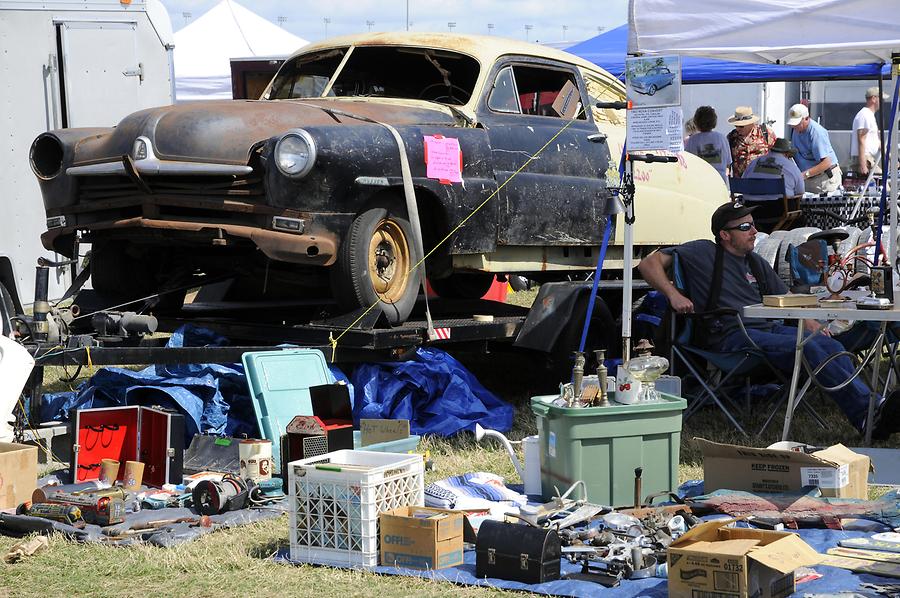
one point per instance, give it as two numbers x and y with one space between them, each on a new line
655 120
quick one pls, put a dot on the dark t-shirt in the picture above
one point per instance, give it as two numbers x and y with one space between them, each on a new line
739 286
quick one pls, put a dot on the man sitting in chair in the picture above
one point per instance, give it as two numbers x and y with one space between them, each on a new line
778 163
728 274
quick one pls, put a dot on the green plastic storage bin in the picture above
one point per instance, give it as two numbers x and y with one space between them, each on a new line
604 445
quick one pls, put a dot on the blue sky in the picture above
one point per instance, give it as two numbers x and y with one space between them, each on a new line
563 20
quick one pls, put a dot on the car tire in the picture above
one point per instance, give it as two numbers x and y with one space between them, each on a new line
374 264
463 285
651 90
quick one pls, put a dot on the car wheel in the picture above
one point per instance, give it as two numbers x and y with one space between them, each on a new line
374 263
463 285
651 90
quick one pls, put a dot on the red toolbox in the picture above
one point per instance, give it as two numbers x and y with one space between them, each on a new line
151 435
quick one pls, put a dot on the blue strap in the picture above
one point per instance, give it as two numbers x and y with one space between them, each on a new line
599 269
887 160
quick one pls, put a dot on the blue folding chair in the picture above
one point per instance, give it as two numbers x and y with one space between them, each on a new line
716 372
776 210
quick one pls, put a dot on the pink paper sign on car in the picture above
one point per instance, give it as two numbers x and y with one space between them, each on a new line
443 159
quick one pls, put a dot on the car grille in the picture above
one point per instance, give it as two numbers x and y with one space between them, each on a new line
105 188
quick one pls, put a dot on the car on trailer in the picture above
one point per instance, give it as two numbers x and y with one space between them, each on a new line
492 150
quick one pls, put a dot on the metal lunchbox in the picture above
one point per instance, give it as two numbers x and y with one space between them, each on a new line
517 552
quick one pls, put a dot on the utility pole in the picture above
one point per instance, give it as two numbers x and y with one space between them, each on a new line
451 25
528 29
565 28
600 30
490 29
327 21
407 15
281 21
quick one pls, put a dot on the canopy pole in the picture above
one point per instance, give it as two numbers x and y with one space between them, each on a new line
890 155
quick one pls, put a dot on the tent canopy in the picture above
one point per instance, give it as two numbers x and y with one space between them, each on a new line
793 32
204 49
608 51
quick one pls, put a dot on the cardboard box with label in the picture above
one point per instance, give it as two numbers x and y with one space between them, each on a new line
715 560
18 473
836 470
421 538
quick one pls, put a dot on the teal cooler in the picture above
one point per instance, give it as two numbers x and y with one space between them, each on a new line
604 445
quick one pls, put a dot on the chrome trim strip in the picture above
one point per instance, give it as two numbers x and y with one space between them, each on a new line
151 165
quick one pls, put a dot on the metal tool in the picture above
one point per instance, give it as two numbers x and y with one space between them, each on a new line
637 486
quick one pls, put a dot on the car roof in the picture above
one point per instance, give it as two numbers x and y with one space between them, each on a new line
486 48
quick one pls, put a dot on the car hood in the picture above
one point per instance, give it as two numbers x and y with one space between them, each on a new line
225 131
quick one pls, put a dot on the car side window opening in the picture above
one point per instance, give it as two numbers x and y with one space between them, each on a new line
390 72
503 96
601 91
535 88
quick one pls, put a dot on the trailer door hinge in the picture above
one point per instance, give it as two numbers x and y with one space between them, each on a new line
138 72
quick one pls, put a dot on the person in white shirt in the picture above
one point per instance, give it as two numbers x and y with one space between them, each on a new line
865 142
710 145
779 162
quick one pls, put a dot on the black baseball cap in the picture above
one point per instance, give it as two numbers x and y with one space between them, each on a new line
728 212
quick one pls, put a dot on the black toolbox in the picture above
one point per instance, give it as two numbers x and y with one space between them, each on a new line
517 552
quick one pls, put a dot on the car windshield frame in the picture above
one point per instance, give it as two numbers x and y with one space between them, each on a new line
384 71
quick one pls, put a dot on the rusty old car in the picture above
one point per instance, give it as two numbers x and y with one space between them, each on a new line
363 155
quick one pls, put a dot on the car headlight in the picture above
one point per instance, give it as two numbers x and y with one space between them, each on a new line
295 153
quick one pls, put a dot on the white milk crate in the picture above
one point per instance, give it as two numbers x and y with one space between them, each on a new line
336 499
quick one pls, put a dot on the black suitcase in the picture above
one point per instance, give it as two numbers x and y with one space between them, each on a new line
517 552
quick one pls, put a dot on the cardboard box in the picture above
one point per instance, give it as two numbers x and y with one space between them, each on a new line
421 538
18 473
714 560
837 471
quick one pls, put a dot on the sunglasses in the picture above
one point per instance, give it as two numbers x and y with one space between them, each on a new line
743 227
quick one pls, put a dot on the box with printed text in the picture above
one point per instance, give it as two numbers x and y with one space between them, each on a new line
421 538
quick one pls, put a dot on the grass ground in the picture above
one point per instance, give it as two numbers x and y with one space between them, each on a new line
234 562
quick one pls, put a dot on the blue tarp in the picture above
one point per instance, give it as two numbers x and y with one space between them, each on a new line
833 580
433 391
608 51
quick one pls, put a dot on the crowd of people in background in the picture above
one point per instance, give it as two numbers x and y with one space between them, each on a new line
805 158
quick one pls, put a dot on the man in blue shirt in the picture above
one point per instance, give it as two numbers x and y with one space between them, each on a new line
815 157
777 164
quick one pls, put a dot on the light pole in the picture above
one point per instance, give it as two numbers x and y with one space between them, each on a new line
490 28
327 21
370 24
528 29
451 25
600 30
281 21
407 15
187 17
565 28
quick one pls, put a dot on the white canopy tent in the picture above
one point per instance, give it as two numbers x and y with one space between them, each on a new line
204 48
799 32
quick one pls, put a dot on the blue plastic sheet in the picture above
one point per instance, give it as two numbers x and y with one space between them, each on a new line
433 391
833 580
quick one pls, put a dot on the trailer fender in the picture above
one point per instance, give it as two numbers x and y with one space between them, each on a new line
558 312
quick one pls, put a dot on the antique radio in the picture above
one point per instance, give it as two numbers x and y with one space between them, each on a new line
310 436
517 552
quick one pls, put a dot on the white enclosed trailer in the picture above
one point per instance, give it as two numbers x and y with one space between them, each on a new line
67 63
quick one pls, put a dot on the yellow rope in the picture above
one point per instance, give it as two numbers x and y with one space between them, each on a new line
334 341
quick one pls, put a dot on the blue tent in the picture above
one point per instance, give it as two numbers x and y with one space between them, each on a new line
608 51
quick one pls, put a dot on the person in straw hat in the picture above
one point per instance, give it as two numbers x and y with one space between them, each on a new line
778 163
748 140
